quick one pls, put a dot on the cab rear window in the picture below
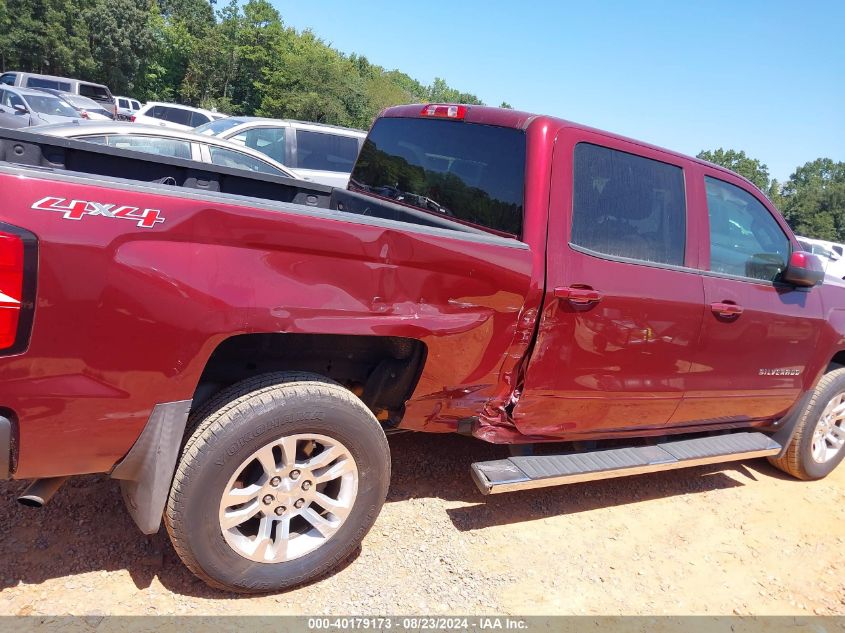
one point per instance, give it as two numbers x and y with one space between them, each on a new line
470 172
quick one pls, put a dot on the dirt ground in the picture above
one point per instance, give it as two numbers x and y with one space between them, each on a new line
739 538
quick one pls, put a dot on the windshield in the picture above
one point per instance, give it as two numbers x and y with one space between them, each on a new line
47 104
471 172
213 128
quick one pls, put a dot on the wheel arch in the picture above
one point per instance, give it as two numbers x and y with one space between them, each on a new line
382 371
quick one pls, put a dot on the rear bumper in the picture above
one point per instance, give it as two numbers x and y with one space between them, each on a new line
5 447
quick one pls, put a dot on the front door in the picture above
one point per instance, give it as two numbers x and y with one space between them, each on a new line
624 302
758 335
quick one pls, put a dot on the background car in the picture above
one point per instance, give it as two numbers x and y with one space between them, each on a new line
87 108
20 107
838 249
317 152
126 107
174 115
169 142
98 92
834 263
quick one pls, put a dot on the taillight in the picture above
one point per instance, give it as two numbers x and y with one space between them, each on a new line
132 118
11 287
85 115
445 111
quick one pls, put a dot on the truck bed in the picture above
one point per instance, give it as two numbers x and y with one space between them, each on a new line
91 160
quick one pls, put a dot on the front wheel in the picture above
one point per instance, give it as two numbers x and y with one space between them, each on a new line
819 442
281 480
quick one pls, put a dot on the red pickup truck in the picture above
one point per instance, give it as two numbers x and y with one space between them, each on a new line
235 348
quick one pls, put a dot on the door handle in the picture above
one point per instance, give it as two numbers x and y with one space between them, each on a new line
578 296
726 309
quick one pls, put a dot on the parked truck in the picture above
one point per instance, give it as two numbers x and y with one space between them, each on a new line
235 347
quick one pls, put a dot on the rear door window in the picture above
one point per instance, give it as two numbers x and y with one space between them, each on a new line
178 115
8 79
157 112
175 148
745 240
325 152
629 206
123 103
267 140
40 82
470 172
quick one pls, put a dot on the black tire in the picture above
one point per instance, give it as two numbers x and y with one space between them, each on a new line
798 459
230 428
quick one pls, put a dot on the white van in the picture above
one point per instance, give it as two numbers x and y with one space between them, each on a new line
97 92
315 151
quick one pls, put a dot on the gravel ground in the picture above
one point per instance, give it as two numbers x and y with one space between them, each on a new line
740 538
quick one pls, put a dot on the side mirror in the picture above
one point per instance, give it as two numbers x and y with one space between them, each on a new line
20 109
804 269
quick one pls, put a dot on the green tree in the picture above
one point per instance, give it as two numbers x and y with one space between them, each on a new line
239 57
118 40
751 168
311 81
814 199
440 92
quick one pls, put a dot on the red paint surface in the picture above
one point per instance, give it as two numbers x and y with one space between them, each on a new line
126 316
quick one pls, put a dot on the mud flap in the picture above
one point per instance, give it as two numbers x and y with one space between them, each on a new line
147 469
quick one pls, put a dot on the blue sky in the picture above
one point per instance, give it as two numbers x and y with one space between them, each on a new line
766 77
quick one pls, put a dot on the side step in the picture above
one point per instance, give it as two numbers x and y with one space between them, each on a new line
538 471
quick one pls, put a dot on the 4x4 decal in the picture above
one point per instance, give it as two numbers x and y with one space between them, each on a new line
77 209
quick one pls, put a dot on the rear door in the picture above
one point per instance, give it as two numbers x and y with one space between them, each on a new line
177 117
624 301
759 335
267 139
324 157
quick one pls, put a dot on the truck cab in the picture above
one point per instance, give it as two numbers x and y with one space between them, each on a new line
664 305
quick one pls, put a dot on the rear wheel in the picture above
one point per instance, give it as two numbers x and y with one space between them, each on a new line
819 442
279 482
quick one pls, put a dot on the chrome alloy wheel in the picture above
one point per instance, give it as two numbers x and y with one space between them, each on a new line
288 498
829 434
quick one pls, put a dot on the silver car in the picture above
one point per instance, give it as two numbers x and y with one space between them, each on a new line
169 142
87 108
321 153
22 107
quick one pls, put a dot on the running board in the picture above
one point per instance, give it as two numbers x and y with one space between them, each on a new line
539 471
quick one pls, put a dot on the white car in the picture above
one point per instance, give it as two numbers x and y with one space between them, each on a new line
126 107
174 115
830 256
321 153
171 143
